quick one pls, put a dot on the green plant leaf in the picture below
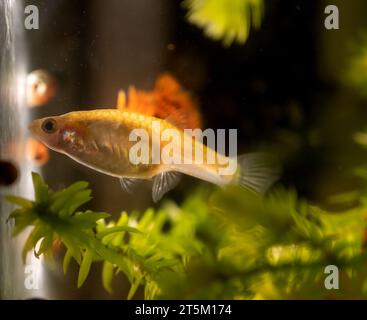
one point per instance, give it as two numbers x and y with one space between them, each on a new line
23 219
36 234
134 287
22 202
61 198
85 267
40 188
88 219
75 201
226 20
72 248
46 244
107 276
66 262
116 229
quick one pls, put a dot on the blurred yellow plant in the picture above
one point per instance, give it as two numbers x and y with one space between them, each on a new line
356 73
226 20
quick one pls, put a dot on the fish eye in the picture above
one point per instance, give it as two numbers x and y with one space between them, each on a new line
49 125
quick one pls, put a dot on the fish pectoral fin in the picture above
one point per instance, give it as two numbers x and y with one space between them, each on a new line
164 182
129 184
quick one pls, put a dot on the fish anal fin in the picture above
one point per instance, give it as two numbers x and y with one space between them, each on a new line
129 184
164 182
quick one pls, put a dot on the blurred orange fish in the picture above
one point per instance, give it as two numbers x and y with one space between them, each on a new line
167 100
41 88
37 152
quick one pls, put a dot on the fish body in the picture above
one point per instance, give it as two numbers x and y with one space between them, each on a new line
106 140
100 139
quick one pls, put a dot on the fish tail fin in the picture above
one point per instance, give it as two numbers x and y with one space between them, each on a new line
257 171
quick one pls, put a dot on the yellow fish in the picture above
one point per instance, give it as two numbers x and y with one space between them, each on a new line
107 140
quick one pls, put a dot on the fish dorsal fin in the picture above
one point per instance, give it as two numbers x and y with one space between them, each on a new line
121 100
176 105
164 182
179 120
167 83
168 101
129 184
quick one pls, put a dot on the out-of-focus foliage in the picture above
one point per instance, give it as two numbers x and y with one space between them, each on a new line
226 20
229 244
275 248
356 73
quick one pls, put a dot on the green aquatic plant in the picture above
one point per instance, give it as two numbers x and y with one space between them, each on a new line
226 20
226 244
273 248
137 247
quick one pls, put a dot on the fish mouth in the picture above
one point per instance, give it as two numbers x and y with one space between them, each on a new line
33 127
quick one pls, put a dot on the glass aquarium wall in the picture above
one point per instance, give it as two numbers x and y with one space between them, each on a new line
14 163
